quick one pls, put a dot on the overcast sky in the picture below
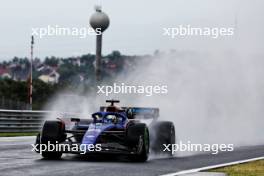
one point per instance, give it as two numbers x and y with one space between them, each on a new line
136 26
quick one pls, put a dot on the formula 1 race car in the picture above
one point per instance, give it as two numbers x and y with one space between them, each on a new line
112 130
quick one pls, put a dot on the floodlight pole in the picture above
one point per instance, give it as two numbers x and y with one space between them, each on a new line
99 20
31 72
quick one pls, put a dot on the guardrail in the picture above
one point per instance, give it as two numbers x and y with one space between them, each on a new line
26 121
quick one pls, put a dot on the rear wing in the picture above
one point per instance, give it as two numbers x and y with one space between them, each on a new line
138 112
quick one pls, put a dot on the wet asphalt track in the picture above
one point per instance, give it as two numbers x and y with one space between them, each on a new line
17 159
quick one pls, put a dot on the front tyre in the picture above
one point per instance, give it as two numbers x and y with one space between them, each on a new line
143 156
138 137
53 132
162 133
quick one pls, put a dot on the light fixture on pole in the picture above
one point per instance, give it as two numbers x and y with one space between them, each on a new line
99 21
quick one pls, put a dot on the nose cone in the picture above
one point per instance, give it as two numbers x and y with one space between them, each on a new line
99 20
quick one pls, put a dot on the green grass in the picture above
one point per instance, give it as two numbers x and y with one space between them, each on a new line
17 134
255 168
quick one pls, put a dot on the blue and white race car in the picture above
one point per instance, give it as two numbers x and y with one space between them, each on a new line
111 130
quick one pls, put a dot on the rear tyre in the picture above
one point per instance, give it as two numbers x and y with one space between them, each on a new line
138 137
162 133
53 132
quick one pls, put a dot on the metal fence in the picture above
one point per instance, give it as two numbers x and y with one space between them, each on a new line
27 121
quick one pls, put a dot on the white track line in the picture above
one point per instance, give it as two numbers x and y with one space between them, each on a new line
212 167
16 138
